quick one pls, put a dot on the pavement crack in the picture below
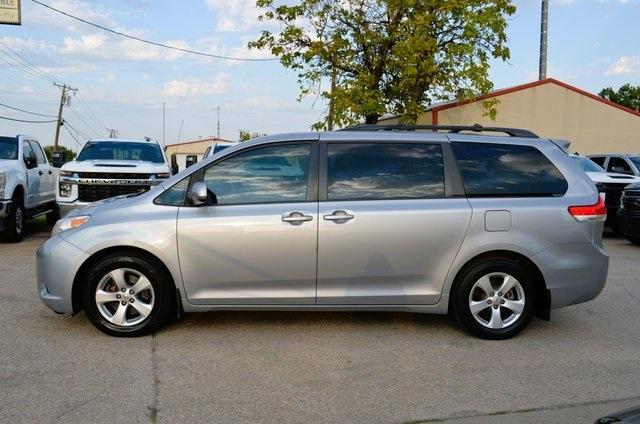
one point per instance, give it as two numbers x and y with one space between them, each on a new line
153 408
521 411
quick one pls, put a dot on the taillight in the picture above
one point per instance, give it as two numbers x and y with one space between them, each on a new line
590 213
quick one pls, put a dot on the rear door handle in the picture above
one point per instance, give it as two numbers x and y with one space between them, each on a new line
50 172
339 215
296 217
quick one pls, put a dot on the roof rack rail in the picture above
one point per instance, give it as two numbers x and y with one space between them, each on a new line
513 132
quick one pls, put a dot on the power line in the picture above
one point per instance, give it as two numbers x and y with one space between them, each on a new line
27 121
34 67
81 133
90 128
92 115
23 68
73 136
26 111
142 40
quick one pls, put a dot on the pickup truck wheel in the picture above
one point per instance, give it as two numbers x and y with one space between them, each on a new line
14 225
127 295
54 215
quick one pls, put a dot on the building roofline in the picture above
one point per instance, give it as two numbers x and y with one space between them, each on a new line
212 139
451 104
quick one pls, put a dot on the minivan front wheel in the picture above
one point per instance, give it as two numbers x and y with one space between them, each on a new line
494 299
127 295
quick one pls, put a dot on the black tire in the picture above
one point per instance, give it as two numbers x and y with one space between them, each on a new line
634 240
14 221
163 294
54 215
473 273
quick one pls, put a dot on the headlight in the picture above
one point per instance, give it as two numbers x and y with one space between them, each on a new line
65 224
3 181
64 189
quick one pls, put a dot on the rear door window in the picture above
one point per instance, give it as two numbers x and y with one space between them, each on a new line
508 170
377 171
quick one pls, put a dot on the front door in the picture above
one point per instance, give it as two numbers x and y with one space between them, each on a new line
256 240
388 231
45 174
33 178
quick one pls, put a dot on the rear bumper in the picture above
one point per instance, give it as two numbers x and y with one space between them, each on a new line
629 225
573 273
57 263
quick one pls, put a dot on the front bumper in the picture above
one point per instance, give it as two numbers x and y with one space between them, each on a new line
573 273
57 263
66 207
5 208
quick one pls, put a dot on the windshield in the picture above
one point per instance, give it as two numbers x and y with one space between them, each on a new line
220 147
8 148
148 152
587 164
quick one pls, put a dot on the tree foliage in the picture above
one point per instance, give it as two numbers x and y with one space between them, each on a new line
388 56
69 154
628 95
248 135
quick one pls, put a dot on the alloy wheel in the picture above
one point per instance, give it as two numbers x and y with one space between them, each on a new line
496 300
124 297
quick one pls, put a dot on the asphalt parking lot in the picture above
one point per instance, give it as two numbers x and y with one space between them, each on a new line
317 367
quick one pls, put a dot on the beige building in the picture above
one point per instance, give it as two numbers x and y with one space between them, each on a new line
190 148
551 109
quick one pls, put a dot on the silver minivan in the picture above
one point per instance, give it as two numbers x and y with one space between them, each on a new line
491 229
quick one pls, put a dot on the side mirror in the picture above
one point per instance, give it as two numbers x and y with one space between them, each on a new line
174 164
191 160
58 159
198 193
30 162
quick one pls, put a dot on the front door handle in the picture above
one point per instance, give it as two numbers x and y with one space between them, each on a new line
39 172
50 172
339 216
296 217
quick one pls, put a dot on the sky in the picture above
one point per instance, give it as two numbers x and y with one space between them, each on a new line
122 83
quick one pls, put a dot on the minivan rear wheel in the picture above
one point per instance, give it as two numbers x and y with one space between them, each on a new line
127 295
494 298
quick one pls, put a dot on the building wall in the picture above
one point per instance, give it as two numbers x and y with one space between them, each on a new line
553 111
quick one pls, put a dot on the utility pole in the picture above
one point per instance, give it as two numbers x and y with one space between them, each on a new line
218 133
543 40
63 99
113 133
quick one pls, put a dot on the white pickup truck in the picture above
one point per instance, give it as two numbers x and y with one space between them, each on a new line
110 167
27 185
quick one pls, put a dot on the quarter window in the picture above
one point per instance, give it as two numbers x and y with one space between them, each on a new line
376 171
274 174
490 169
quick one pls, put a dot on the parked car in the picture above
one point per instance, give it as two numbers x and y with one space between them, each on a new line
218 147
609 183
619 163
108 168
27 185
491 229
629 213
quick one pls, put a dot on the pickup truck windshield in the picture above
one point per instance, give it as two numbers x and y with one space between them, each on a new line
114 150
8 148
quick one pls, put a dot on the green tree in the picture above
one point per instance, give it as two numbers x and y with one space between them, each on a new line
628 95
69 154
247 135
388 56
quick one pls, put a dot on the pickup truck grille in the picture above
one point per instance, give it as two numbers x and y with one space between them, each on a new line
93 193
114 175
631 202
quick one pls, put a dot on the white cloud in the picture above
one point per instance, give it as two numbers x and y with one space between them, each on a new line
235 15
195 87
624 66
